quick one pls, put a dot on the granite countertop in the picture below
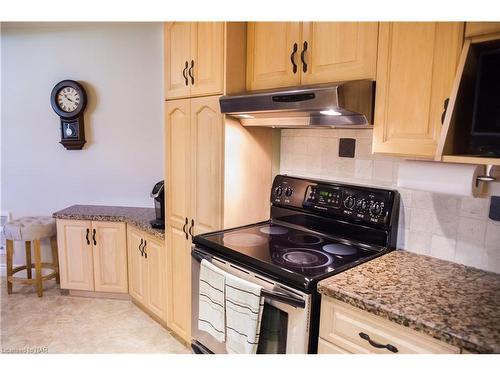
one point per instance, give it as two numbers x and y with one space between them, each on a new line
457 304
138 216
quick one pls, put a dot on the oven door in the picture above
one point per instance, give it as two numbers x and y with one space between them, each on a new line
285 318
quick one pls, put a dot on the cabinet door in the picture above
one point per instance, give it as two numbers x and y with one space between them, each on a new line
110 257
177 39
415 71
207 58
179 282
339 51
206 164
269 53
137 266
156 276
178 172
178 161
75 254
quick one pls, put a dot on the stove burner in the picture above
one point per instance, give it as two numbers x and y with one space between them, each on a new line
273 229
339 249
302 258
244 239
305 239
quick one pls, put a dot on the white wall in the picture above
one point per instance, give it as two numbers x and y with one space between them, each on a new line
120 65
444 226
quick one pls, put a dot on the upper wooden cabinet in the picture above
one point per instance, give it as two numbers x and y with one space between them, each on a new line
281 54
339 51
415 71
481 28
195 58
270 52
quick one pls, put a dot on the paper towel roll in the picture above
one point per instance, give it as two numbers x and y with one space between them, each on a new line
446 178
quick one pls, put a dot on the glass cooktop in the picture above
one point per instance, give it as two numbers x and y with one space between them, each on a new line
283 249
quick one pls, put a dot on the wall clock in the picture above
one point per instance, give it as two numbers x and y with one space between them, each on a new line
68 99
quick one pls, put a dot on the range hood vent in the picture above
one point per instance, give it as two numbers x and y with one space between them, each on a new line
337 105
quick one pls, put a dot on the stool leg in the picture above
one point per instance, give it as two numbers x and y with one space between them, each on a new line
38 268
10 254
28 259
55 258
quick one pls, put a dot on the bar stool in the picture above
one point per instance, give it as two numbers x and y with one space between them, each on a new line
27 229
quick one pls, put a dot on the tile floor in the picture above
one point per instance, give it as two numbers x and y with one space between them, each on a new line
59 323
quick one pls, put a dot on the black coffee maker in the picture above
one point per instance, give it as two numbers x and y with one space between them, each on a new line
159 198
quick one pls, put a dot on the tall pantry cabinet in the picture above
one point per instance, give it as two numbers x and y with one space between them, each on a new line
205 190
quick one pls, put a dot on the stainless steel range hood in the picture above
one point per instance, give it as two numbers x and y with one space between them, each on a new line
337 105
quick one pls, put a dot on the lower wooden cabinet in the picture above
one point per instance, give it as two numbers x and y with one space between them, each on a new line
92 255
346 329
147 271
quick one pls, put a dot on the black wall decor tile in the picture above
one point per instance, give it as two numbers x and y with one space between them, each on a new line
495 208
347 147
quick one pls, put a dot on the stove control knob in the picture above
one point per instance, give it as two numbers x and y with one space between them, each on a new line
376 209
362 205
278 191
288 191
349 202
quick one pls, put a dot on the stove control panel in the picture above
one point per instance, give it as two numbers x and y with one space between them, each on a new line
356 203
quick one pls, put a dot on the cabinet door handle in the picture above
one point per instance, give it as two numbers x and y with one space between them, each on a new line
184 228
191 74
445 106
292 58
87 236
144 249
375 344
184 74
302 58
191 228
140 247
93 236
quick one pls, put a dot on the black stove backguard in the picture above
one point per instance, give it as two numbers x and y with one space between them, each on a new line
364 214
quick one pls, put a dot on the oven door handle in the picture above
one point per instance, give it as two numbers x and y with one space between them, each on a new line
271 294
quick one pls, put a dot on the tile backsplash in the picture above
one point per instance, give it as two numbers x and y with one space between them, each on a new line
443 226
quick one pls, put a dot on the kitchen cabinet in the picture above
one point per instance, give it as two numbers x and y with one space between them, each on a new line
194 132
481 28
195 58
147 268
76 263
347 329
92 255
415 71
281 54
216 173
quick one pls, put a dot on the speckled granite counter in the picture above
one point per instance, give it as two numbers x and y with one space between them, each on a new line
451 302
138 216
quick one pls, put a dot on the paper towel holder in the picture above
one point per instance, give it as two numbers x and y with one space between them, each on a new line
487 177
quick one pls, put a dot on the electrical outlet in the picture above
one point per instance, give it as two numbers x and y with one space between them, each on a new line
347 147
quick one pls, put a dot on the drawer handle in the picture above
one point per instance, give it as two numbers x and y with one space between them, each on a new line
93 236
144 249
292 58
87 236
303 58
184 74
375 344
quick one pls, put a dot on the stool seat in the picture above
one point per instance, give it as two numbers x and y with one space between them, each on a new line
30 228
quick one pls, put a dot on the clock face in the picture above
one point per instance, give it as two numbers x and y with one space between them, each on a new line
68 99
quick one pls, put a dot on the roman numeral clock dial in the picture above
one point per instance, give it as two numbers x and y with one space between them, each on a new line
68 100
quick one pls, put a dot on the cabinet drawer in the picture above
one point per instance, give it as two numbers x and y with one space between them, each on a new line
342 324
324 347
